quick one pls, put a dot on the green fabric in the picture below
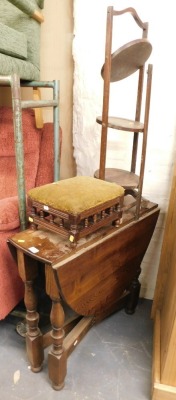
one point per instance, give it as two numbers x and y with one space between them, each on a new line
40 3
14 18
10 65
27 7
12 42
77 194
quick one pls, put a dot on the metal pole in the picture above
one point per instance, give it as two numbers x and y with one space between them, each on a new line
19 151
56 132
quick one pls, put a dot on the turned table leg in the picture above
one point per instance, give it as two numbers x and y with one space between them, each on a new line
28 270
134 295
34 339
57 357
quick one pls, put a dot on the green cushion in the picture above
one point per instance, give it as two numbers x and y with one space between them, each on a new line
75 195
12 42
27 7
26 70
14 18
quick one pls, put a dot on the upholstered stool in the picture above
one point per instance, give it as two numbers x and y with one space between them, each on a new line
75 207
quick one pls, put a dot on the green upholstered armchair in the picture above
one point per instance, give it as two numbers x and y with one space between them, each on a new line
20 22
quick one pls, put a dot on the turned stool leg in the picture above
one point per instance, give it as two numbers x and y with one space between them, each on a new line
57 357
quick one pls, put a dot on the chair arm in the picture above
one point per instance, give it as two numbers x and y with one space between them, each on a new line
9 214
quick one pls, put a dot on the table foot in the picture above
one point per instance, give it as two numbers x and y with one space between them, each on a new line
35 352
57 366
59 387
36 369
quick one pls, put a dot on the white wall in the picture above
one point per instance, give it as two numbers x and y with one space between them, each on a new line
57 63
88 53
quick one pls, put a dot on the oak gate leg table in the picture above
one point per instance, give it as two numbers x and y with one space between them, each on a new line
96 278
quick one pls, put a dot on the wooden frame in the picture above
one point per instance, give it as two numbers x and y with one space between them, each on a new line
96 278
164 310
74 227
136 52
